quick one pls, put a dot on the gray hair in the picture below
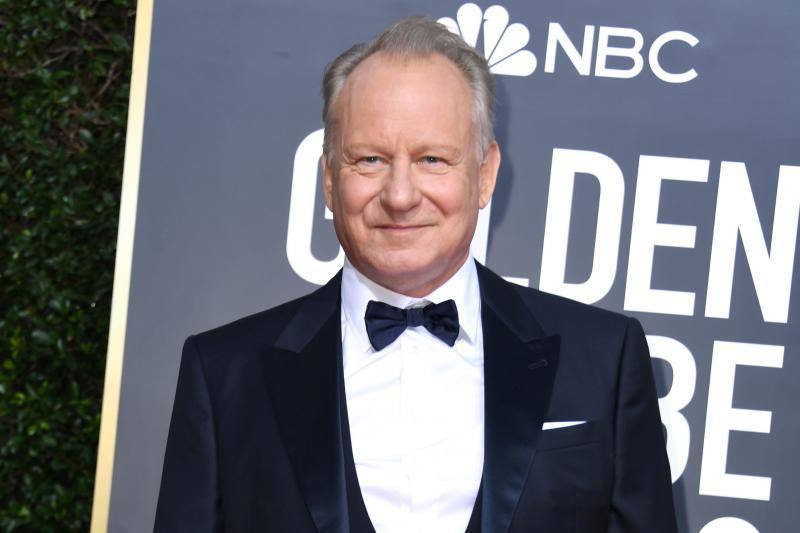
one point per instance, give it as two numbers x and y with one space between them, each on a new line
415 37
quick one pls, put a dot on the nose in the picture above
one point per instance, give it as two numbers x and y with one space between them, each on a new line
400 192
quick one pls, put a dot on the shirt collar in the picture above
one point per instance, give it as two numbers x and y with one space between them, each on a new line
462 287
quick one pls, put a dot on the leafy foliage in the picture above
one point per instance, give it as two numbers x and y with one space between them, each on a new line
64 83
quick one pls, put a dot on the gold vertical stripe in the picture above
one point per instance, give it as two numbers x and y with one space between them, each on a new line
122 268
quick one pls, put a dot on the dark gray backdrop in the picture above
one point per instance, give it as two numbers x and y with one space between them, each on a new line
233 90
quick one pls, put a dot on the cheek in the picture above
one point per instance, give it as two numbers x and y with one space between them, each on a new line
354 194
455 198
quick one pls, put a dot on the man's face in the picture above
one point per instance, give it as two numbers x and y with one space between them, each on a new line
406 182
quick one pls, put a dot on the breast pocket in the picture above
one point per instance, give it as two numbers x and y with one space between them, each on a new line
569 483
576 457
576 435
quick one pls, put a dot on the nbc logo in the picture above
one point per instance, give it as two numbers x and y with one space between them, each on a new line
502 44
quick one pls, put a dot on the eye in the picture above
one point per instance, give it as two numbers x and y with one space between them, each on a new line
369 164
432 163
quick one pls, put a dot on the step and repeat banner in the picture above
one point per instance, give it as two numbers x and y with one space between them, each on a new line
651 165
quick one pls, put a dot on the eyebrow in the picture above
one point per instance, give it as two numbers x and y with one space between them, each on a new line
449 150
361 147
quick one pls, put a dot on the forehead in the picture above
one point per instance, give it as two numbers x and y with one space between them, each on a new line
387 96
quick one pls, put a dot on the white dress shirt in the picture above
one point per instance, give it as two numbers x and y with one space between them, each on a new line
415 409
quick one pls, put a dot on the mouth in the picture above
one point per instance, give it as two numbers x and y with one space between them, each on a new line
401 228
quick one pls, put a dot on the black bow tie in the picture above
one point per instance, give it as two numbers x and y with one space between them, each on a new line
386 322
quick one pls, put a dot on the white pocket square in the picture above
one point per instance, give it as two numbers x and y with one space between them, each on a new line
556 425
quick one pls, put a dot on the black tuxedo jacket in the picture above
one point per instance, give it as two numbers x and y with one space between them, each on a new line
259 438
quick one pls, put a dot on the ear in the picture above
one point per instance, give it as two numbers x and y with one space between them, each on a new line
327 182
487 174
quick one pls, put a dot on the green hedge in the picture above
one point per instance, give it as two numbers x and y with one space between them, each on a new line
64 83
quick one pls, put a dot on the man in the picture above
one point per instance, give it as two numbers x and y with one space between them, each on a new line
417 390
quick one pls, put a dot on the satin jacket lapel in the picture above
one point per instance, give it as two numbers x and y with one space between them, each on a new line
520 364
302 374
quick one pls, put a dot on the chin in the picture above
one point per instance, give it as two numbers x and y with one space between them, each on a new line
401 269
405 260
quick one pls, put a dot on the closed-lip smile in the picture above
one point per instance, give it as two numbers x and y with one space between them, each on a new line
401 227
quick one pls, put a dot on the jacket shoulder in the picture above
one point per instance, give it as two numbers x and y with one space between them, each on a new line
560 315
557 311
259 330
262 327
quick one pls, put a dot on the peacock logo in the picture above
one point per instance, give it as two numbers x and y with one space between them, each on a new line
502 43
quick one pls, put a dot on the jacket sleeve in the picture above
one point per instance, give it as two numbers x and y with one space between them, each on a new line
189 499
642 492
